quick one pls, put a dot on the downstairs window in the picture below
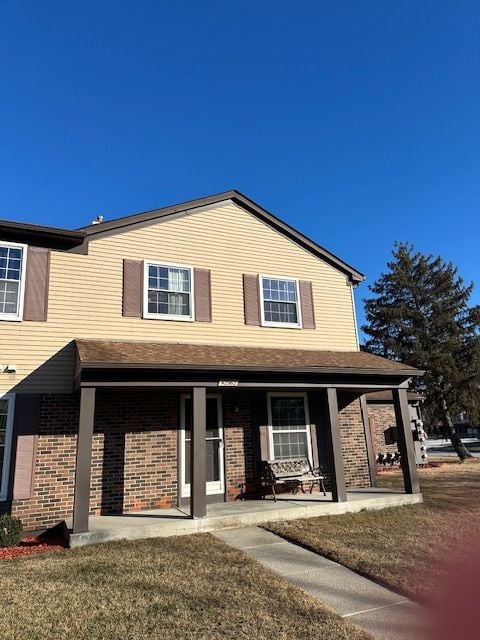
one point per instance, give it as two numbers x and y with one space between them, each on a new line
289 428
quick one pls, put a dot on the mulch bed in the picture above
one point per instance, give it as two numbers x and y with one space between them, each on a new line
30 546
397 467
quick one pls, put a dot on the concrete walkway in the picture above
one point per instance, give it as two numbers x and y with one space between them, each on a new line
386 615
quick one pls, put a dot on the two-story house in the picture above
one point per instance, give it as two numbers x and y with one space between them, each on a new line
159 358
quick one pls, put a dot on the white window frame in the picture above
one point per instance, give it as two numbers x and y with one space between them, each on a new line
167 316
17 317
8 444
271 430
282 325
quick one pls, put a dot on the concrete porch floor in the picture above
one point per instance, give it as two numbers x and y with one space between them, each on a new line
227 515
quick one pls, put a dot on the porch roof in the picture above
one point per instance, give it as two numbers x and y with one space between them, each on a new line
124 354
380 397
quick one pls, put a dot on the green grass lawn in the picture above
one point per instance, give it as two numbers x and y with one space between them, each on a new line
407 548
184 588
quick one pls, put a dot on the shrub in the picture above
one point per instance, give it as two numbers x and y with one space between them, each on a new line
10 531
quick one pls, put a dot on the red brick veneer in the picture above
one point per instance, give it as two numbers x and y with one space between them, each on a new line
382 417
134 454
352 435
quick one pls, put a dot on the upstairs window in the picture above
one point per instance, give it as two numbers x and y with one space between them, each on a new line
279 302
12 268
168 292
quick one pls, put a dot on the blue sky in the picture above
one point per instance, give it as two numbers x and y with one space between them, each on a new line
357 122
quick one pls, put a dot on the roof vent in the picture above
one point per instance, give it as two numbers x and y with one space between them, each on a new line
97 220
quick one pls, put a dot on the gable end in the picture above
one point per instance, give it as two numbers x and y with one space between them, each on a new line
128 223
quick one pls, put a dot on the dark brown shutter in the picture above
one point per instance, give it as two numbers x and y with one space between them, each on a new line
36 284
318 432
258 413
251 300
132 288
261 446
203 295
306 302
25 431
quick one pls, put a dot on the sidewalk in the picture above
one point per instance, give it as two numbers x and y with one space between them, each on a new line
445 442
439 447
386 615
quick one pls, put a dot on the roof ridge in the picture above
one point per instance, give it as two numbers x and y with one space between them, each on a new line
118 225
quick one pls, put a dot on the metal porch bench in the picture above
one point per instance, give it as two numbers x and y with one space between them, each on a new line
296 471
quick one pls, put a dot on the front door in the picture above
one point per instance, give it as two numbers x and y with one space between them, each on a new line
214 445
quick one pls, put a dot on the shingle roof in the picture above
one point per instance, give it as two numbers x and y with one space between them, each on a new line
386 396
164 355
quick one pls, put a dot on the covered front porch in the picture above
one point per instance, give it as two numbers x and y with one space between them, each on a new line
178 521
334 429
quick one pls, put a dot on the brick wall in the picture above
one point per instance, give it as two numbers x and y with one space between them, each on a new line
352 435
238 436
382 417
134 456
52 498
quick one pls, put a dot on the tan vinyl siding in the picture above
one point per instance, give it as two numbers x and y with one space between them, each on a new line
85 296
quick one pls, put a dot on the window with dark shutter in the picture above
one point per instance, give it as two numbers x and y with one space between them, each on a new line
168 291
279 305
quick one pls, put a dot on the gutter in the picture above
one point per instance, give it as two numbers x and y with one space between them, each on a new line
229 367
51 237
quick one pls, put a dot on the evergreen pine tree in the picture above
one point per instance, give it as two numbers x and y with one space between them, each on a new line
420 315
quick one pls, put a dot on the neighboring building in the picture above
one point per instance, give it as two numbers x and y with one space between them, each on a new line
211 320
465 425
383 425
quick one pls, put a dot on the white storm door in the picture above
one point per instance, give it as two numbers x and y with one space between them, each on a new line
215 463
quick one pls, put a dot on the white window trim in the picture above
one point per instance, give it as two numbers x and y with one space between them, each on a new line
271 430
167 316
8 444
282 325
17 317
